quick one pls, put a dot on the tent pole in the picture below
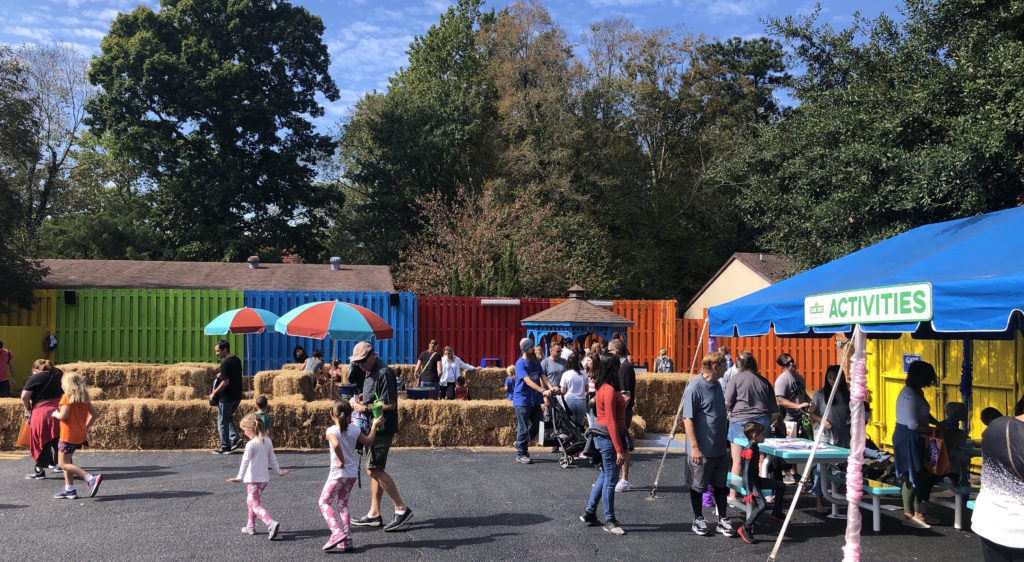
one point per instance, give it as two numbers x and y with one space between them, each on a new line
810 459
675 423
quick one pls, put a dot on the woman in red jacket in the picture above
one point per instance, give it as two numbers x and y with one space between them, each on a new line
610 440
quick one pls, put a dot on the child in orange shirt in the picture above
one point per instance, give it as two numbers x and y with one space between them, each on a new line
76 414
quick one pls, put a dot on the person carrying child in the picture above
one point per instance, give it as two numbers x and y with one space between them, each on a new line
753 483
254 470
76 414
344 470
263 413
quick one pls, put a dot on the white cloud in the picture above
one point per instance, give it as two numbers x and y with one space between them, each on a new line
33 33
89 33
621 3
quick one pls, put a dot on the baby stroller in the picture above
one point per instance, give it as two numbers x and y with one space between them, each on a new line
565 430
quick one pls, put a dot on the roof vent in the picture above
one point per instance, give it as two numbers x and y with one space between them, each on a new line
254 262
577 292
335 263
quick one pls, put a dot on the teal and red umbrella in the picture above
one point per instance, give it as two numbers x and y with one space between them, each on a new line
241 321
335 319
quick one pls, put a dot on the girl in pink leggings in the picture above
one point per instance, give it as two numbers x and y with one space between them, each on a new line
257 461
344 468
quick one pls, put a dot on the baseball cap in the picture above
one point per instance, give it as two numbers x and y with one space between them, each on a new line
361 351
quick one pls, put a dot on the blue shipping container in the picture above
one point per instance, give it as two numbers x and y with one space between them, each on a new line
270 350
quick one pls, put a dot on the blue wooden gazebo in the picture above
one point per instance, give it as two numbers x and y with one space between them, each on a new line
575 318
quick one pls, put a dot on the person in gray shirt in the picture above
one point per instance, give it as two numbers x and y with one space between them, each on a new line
554 365
790 389
749 398
707 443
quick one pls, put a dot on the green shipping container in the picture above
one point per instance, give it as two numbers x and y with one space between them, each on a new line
141 325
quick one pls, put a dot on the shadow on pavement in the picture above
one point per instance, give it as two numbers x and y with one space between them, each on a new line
168 495
11 506
440 544
495 520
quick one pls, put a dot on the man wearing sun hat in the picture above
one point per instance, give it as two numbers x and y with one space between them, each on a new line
379 384
528 396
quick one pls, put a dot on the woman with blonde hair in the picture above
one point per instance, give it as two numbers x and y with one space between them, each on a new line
448 374
76 414
41 396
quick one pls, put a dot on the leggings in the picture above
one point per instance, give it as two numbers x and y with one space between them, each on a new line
252 500
913 495
337 491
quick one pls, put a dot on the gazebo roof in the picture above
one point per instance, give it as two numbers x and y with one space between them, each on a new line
577 312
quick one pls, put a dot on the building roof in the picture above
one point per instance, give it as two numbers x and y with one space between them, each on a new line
770 267
125 274
577 310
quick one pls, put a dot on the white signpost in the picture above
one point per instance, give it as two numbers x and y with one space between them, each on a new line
878 305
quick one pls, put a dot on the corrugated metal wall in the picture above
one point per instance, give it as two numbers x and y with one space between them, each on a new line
22 332
812 355
271 350
473 330
141 325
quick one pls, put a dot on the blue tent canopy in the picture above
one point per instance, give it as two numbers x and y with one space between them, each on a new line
975 266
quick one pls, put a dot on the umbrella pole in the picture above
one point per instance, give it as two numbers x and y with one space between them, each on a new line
248 364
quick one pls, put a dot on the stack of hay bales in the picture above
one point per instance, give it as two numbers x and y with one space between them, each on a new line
657 399
122 380
290 383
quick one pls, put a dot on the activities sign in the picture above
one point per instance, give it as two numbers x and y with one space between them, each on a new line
878 305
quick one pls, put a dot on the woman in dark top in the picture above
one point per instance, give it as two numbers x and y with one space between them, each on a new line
299 355
41 395
427 374
998 516
913 422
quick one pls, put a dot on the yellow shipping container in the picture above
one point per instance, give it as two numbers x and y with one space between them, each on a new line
22 332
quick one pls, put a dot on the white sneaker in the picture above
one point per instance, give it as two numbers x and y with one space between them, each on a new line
622 486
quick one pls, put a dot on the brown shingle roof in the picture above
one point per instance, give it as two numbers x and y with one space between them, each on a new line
95 274
579 311
772 267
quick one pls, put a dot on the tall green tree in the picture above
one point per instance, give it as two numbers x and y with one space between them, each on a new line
212 101
428 133
18 134
898 125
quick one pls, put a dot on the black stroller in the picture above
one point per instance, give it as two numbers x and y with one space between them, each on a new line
565 431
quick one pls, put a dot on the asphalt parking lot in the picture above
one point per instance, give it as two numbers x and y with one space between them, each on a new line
467 504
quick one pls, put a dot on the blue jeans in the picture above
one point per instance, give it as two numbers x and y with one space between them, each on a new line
527 425
578 407
226 424
435 385
604 486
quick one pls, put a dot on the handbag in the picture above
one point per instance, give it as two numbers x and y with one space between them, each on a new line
216 397
936 459
24 436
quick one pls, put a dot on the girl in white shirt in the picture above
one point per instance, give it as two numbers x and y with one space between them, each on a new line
257 461
344 469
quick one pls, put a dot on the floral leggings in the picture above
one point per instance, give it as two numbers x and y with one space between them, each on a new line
337 491
252 501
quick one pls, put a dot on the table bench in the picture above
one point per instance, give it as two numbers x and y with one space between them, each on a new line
736 483
873 488
961 497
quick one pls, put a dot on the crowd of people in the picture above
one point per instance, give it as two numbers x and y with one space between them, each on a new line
727 401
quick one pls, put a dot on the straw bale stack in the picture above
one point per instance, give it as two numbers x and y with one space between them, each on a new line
263 382
178 393
196 375
289 383
657 399
122 380
487 383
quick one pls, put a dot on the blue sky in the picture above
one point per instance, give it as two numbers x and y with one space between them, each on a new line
368 38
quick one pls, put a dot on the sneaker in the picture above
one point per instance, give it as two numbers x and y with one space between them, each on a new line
368 521
700 527
335 540
622 486
614 528
66 495
345 545
41 475
248 531
747 535
789 480
523 459
272 532
399 521
94 486
916 523
555 449
238 444
589 518
221 451
56 468
725 527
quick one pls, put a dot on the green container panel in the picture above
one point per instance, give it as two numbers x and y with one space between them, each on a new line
142 325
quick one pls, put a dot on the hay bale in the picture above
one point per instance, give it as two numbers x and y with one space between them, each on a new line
486 383
95 393
122 380
196 375
264 382
638 427
288 383
657 399
181 393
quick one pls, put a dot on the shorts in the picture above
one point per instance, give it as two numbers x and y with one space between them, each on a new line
68 448
379 452
736 428
714 471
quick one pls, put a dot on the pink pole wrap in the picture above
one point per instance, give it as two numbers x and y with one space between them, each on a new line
854 469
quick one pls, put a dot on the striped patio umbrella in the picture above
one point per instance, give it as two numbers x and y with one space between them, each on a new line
241 321
335 319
